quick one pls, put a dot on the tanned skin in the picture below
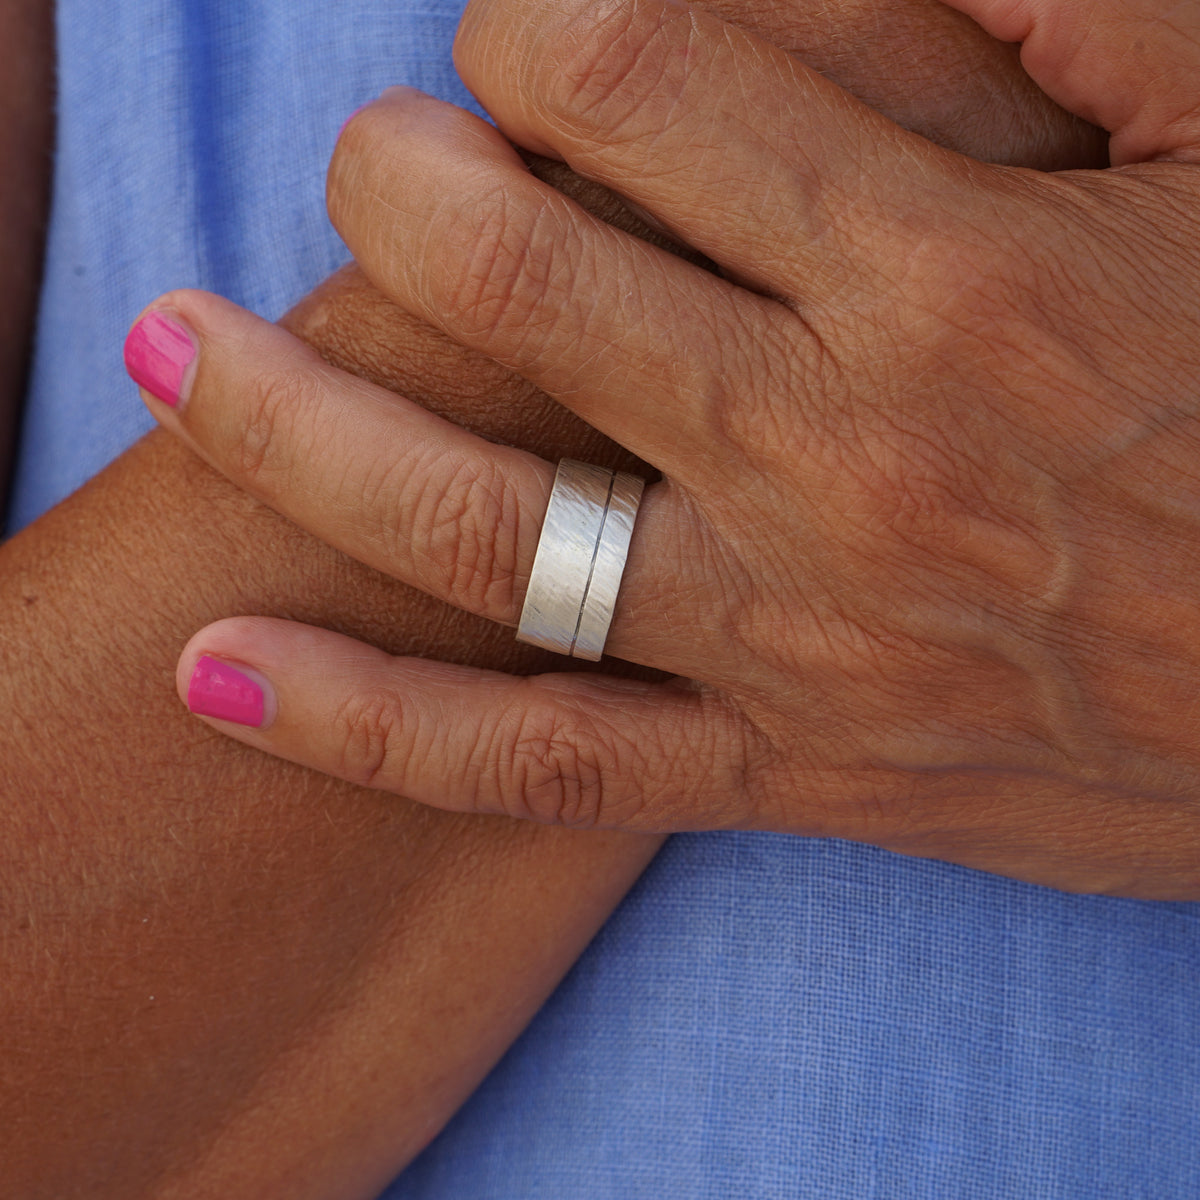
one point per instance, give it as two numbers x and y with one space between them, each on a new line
26 137
222 975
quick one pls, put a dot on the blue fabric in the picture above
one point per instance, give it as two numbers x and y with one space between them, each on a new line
764 1016
769 1017
193 139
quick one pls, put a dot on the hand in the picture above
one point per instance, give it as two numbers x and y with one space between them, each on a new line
925 537
192 932
104 1089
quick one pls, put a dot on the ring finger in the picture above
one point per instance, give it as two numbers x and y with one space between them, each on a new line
393 485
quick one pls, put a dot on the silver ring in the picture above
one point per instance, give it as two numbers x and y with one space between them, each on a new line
580 559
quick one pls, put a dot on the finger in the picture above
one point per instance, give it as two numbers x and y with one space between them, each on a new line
744 152
388 482
443 216
584 751
1129 66
933 71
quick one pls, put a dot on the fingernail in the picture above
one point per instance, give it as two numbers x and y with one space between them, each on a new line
158 352
218 690
400 91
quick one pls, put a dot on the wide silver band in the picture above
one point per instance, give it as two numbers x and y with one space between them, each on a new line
580 559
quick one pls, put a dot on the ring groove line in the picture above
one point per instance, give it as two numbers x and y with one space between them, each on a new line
612 551
587 587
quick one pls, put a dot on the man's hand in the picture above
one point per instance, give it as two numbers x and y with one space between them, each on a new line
926 537
223 975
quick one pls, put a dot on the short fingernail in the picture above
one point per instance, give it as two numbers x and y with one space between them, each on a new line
400 91
218 690
158 352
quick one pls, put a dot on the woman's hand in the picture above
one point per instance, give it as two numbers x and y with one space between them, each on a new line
928 524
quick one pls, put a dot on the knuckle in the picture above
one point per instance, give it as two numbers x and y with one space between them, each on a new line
467 520
367 739
763 434
903 483
926 503
907 470
556 770
602 76
507 272
266 445
947 278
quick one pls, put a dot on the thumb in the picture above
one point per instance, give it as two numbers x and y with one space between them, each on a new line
1129 66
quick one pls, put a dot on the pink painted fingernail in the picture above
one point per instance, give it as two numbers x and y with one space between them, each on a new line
218 690
158 352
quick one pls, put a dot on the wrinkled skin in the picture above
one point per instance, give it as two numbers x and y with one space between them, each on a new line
925 538
923 64
929 498
288 911
913 450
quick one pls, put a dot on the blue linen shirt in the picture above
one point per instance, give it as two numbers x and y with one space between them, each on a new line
764 1016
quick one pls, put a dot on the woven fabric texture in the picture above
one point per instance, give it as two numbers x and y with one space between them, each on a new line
764 1017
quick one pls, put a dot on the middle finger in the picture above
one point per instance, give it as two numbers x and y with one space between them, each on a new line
653 351
759 162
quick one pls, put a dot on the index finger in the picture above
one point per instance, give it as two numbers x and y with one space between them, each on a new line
745 153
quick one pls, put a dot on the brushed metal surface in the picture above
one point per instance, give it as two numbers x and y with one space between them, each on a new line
565 554
600 599
580 558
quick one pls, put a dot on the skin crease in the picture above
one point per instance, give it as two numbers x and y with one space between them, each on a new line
224 975
922 559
